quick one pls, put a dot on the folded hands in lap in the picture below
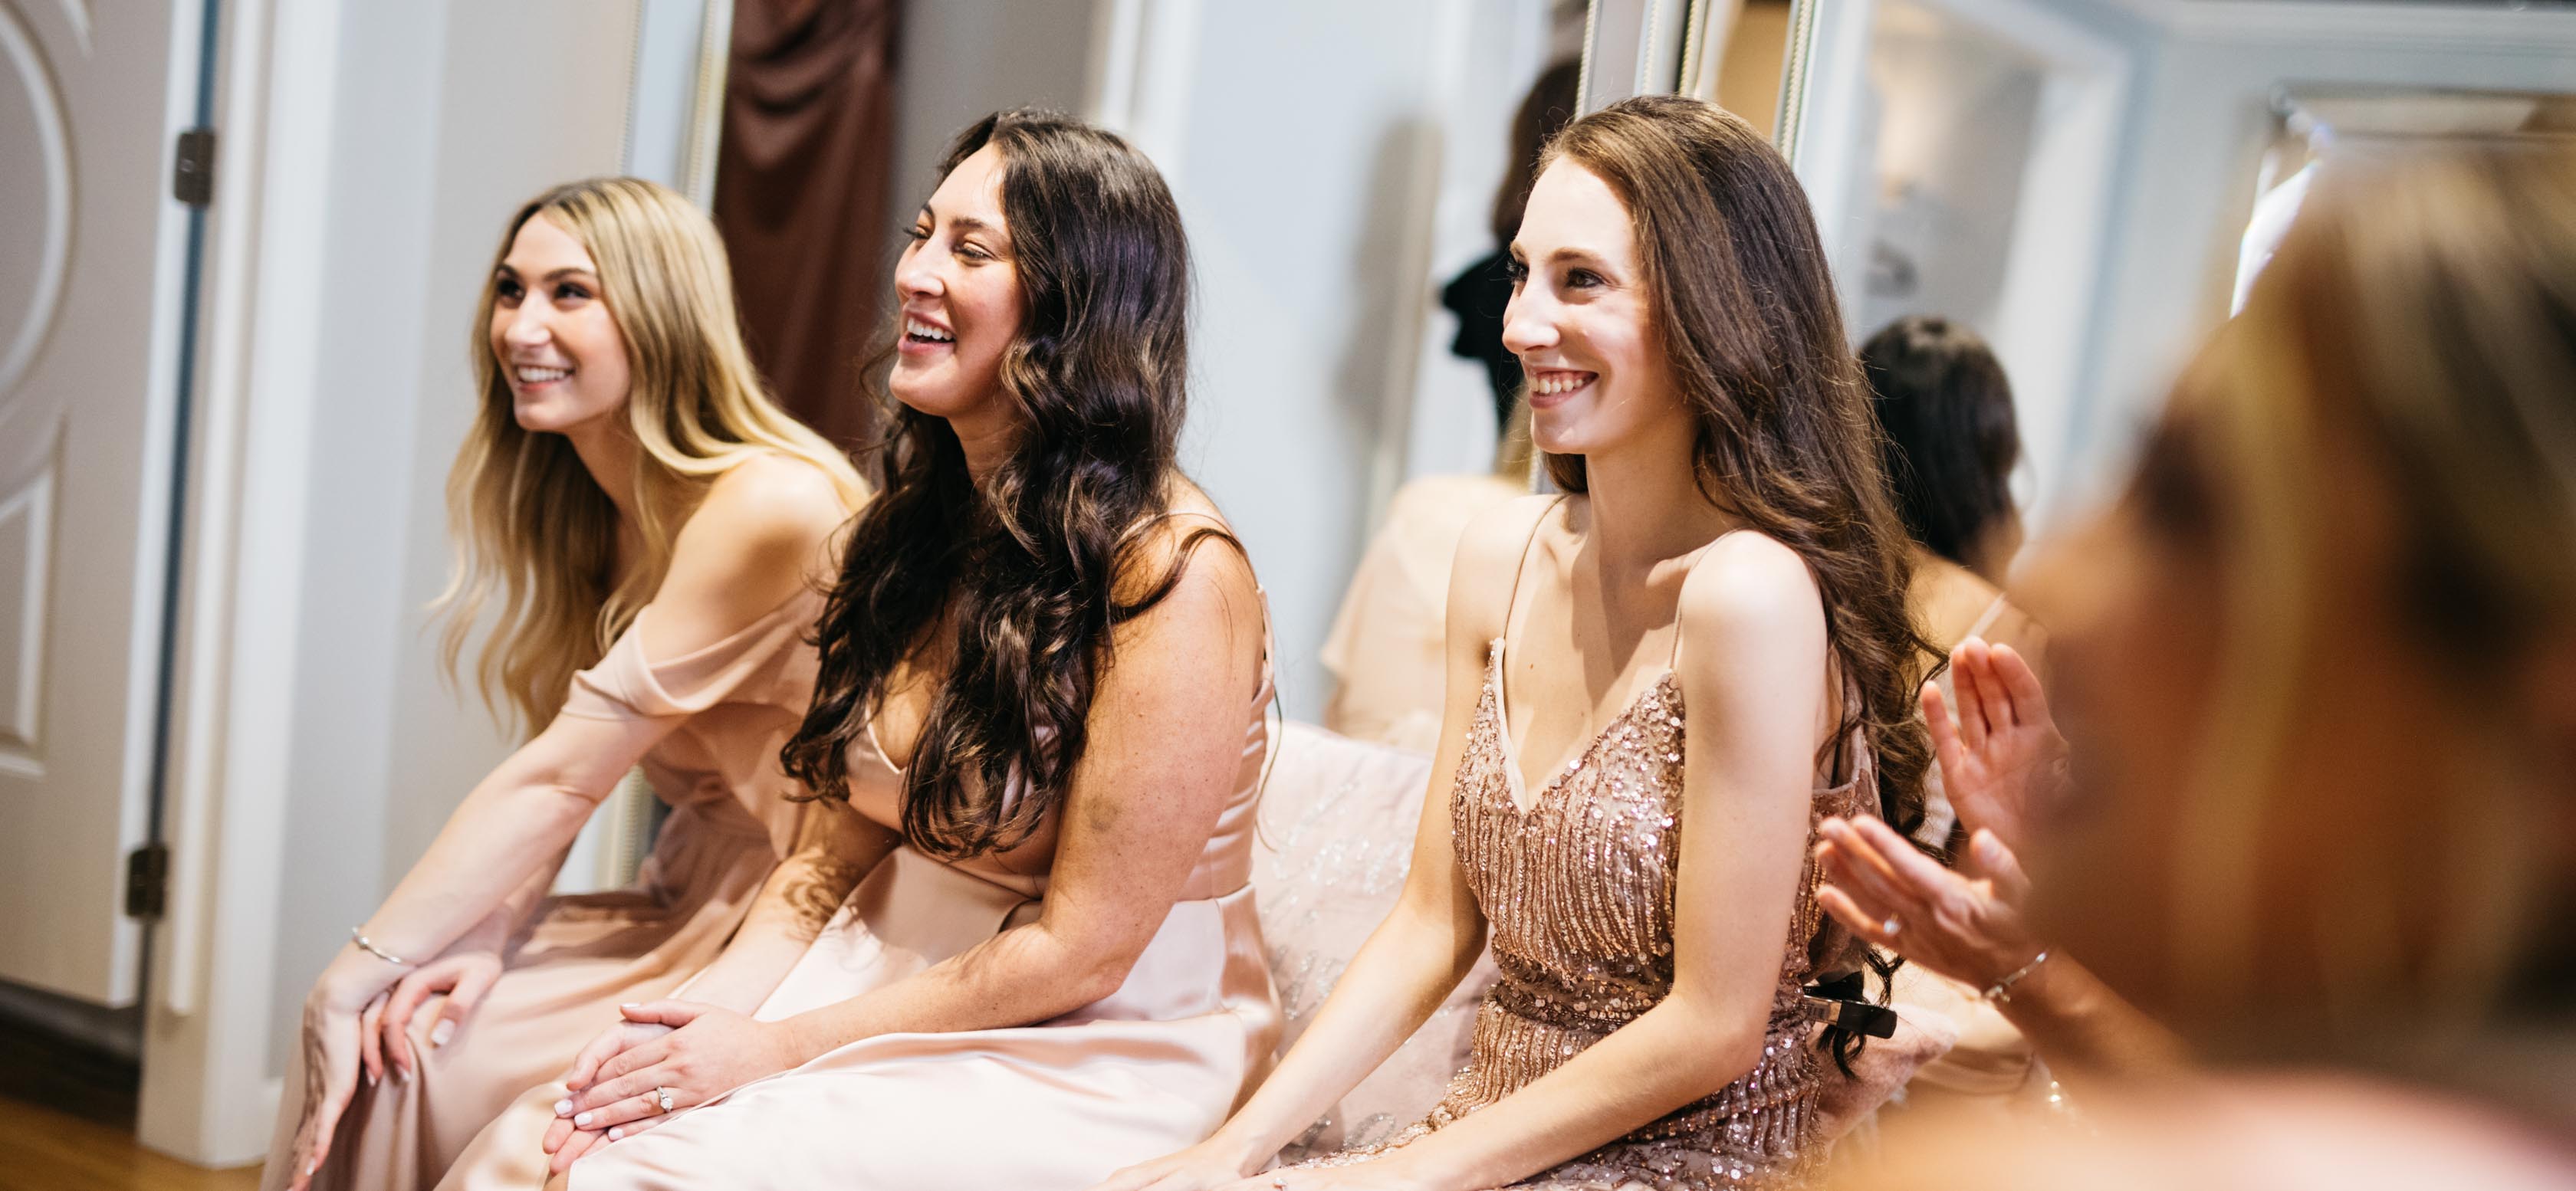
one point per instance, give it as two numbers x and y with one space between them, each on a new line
693 1051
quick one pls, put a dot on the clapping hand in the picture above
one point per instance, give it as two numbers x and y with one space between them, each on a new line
2001 758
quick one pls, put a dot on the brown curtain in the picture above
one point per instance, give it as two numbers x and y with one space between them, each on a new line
801 195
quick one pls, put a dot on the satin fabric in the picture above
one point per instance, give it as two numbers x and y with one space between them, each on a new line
1153 1067
579 956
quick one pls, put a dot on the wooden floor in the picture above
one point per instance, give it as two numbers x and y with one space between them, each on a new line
67 1123
42 1149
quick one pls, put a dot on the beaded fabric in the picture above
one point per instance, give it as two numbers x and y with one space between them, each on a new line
1578 892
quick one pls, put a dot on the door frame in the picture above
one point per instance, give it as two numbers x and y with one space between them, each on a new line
207 1096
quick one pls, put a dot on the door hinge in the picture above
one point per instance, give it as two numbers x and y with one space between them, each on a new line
147 881
192 176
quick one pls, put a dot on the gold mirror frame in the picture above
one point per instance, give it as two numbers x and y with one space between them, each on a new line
1793 77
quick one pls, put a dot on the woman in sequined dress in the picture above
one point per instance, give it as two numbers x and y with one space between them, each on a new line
1704 648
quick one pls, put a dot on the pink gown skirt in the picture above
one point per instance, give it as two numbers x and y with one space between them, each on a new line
1152 1068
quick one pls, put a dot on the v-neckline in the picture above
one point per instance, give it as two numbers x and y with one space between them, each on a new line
1524 803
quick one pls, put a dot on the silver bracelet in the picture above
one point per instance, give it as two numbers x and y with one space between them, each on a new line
358 935
2000 992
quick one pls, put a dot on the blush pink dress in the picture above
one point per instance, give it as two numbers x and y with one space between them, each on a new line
1059 1104
579 956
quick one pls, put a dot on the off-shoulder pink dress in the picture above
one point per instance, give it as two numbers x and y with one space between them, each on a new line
580 956
1149 1069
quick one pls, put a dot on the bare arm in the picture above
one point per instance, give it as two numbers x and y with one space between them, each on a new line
748 548
1427 942
1752 673
835 848
750 545
1166 740
1967 925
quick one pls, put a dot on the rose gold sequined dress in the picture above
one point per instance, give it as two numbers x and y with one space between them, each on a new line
1578 892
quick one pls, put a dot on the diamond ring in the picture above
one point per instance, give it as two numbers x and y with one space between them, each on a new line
662 1097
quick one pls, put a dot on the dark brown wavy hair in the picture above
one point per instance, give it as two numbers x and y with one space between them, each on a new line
1739 292
1024 575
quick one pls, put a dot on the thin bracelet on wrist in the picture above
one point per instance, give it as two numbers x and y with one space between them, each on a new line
2000 992
358 935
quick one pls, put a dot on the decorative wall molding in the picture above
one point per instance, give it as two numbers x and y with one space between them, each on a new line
26 59
2437 27
27 541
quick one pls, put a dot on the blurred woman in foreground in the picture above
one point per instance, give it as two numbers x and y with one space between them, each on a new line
2320 666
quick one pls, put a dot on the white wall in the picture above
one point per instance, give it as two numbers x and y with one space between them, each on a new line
451 114
2193 118
959 60
2196 141
1304 127
1506 44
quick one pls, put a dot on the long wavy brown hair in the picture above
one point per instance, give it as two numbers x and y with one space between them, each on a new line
1739 292
1729 252
1026 574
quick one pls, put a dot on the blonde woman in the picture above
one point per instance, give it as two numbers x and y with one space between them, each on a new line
642 527
2319 667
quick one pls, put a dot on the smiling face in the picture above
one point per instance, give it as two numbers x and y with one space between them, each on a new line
559 348
960 292
1581 320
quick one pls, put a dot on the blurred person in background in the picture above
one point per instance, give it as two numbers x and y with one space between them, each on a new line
2320 663
643 527
1387 650
1949 445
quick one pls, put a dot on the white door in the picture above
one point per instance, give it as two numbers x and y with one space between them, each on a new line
90 240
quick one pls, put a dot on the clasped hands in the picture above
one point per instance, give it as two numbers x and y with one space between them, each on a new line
693 1051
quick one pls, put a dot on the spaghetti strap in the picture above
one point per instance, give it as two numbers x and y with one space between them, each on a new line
1521 568
1986 619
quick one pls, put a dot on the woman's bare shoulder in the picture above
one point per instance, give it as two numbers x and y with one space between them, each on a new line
760 534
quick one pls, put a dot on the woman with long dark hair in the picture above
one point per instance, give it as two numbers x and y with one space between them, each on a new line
1701 649
1049 698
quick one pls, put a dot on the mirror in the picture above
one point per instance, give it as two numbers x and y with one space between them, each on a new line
2086 184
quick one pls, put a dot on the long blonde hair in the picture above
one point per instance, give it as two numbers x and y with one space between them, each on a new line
535 537
2427 308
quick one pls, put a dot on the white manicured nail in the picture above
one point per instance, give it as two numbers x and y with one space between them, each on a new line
583 1119
616 1132
563 1106
440 1033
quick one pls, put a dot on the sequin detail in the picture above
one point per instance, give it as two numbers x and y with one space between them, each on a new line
1577 892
